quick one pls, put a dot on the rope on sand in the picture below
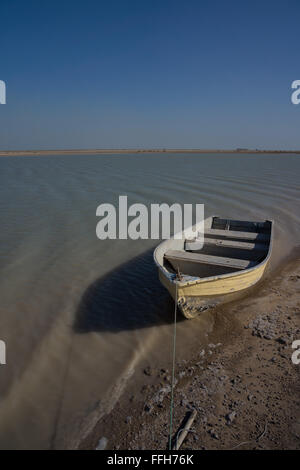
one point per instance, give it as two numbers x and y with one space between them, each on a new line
260 436
182 433
173 365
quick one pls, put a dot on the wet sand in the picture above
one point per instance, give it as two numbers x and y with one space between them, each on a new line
242 382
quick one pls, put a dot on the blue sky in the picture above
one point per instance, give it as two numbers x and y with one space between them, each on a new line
159 73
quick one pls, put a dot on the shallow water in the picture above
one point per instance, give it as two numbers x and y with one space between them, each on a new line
79 315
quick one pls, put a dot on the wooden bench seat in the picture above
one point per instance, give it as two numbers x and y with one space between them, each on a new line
176 256
235 234
241 225
240 245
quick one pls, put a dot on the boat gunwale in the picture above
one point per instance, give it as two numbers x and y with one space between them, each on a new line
200 280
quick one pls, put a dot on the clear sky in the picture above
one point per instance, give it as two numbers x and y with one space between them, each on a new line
149 73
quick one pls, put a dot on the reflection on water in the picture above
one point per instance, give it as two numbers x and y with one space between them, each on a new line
78 314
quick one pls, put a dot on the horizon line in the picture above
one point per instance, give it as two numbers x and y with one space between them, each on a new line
136 150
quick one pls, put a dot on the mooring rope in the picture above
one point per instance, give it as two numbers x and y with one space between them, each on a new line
173 369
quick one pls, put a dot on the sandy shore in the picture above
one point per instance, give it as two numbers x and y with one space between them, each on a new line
243 384
20 153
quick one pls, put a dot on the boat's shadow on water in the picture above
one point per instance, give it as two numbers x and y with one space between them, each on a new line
128 298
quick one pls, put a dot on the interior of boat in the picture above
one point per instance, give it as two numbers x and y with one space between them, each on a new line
229 246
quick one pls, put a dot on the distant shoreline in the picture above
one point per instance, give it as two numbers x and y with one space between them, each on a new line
12 153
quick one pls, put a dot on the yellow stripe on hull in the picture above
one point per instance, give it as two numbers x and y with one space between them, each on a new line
207 290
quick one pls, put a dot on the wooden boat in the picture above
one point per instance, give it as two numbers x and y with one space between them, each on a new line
232 258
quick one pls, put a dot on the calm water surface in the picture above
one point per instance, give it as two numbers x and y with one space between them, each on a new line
79 315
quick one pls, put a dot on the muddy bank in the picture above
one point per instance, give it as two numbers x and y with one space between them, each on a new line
242 382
